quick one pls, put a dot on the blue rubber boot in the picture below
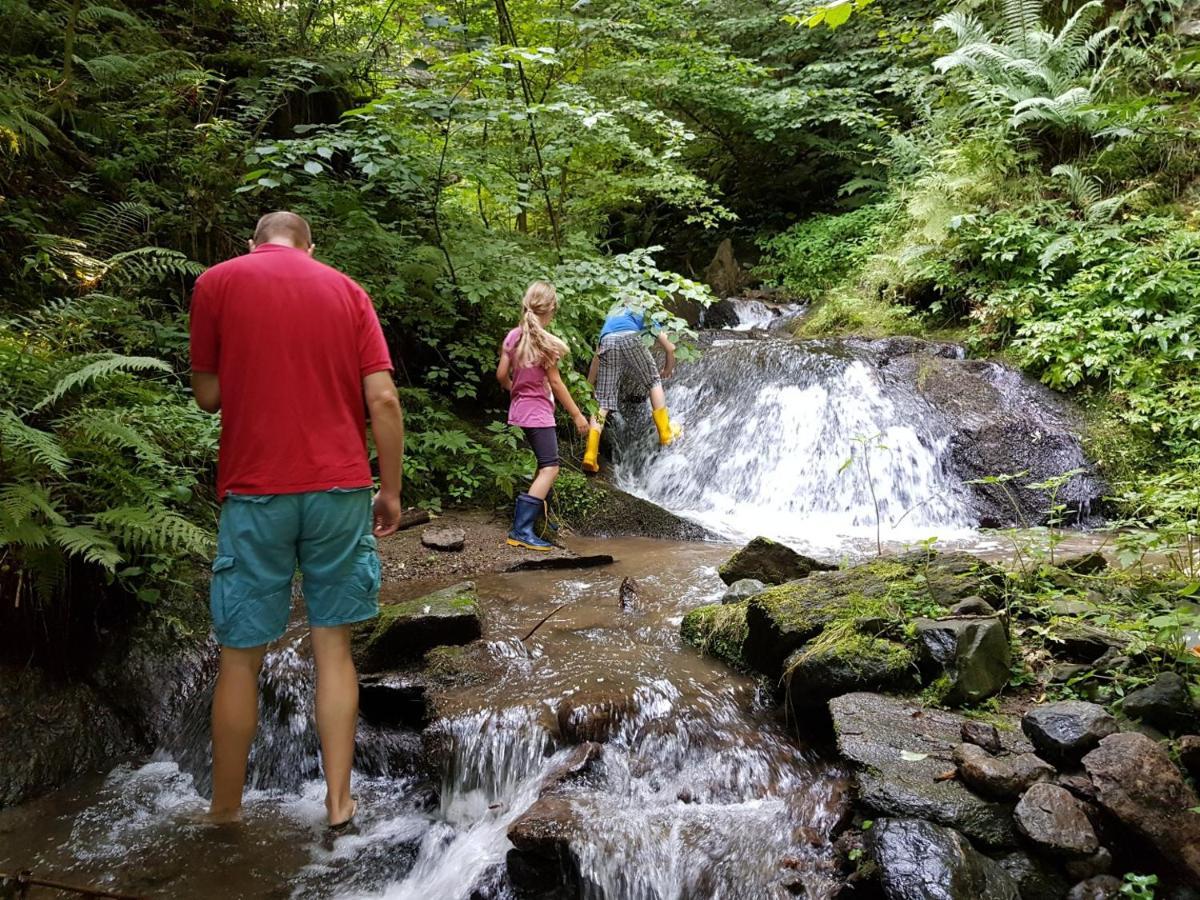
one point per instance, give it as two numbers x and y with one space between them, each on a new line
525 516
548 524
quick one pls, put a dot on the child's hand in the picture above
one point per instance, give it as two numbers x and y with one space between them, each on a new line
581 425
667 370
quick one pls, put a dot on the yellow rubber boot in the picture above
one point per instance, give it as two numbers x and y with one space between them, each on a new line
667 432
591 455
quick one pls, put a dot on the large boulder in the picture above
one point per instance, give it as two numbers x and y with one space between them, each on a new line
540 862
594 716
725 274
857 662
1137 783
1065 731
770 562
718 629
921 861
1166 703
901 754
608 511
406 631
972 653
1055 822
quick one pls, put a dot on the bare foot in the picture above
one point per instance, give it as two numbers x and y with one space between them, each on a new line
214 817
342 814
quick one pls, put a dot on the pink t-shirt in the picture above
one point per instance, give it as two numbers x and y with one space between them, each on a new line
532 404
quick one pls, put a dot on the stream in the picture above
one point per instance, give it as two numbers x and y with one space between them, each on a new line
702 790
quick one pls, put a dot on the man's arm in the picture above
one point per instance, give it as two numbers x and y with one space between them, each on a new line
387 426
594 369
669 348
206 388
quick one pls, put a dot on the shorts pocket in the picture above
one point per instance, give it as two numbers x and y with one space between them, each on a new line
223 591
367 571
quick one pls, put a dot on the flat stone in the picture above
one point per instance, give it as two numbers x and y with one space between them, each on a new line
445 538
406 631
1066 730
1099 887
972 653
393 700
1054 820
981 734
1083 643
1000 778
1069 608
973 606
901 751
1137 783
565 561
1166 703
743 590
770 562
921 861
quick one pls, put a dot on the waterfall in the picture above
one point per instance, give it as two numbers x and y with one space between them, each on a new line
799 441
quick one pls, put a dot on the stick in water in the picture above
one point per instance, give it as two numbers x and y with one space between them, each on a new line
545 618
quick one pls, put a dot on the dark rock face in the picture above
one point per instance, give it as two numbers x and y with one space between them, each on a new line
972 652
1083 643
1165 704
770 562
743 590
1055 821
541 864
1067 730
901 754
406 631
1137 783
1085 564
1001 778
449 540
721 314
812 676
921 861
1036 878
393 700
557 563
1100 887
982 735
1189 754
618 513
594 716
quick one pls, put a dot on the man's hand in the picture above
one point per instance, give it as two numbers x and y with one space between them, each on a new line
667 370
581 424
387 514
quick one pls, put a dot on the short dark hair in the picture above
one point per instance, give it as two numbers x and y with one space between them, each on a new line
283 225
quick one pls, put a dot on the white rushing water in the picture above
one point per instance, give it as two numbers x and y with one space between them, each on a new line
803 442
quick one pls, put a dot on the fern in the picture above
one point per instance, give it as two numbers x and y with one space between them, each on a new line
151 263
110 427
19 502
112 228
154 530
40 448
106 365
89 543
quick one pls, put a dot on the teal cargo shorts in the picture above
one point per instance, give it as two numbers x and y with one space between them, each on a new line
262 540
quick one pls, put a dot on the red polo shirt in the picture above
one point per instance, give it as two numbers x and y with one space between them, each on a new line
291 340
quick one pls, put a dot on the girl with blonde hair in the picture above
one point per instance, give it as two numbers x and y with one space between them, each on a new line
528 370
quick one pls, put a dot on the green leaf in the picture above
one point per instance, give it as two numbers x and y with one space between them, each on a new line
312 167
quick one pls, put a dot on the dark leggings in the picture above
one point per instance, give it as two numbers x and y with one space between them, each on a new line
544 443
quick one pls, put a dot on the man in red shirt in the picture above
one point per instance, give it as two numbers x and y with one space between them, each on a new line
291 352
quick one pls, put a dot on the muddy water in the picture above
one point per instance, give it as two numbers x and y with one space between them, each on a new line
700 792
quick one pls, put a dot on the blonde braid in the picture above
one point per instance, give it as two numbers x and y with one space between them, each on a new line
537 346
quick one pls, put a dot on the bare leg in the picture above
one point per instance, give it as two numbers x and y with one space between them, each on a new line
543 481
658 397
234 722
337 716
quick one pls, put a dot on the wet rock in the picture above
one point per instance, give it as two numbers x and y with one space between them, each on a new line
393 700
594 716
1083 643
973 606
724 274
447 539
1037 879
1189 754
721 314
387 750
890 348
718 630
615 513
950 578
900 753
627 595
1099 887
576 764
921 861
743 590
540 862
770 562
1066 730
859 662
1166 703
1078 784
972 655
1099 863
558 563
1055 821
1000 778
406 631
1085 564
1137 783
981 734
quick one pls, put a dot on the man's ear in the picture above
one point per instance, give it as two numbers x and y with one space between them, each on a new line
311 249
251 245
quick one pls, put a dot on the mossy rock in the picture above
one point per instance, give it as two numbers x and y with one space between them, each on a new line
855 662
770 562
718 630
406 631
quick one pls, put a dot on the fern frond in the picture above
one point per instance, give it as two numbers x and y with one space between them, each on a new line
88 542
107 15
111 428
147 263
1075 31
1019 19
113 228
19 502
155 529
40 448
1056 250
106 365
1084 190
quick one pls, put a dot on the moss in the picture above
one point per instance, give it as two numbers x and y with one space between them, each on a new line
862 316
937 691
458 599
718 630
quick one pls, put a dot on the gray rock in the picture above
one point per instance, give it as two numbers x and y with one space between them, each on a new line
445 538
1137 783
901 753
981 734
742 590
770 562
1166 703
921 861
973 606
406 631
1066 730
973 653
1083 643
1055 821
1099 887
618 513
1037 879
1070 608
1000 778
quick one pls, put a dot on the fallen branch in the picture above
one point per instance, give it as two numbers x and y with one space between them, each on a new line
412 517
17 886
545 618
